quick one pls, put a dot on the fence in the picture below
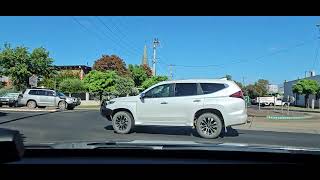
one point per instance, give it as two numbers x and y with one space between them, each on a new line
88 96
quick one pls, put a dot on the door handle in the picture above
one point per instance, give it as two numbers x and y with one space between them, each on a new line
197 100
164 103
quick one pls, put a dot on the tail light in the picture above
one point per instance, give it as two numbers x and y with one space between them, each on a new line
238 94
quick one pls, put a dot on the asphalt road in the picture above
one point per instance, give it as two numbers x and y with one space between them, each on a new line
88 125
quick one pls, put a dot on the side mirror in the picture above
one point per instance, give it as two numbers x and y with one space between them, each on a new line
142 95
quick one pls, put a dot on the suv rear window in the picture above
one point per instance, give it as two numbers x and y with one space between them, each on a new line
33 92
186 89
208 88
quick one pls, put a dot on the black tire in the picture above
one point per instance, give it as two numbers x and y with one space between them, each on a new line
271 104
31 104
62 105
209 125
0 105
122 122
15 104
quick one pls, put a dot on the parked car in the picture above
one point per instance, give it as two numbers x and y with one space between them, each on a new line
41 98
208 105
10 99
270 101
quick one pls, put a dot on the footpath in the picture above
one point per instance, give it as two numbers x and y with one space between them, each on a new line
295 121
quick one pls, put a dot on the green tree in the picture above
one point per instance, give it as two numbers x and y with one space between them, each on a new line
306 87
71 85
19 64
48 83
251 91
138 74
124 86
261 87
100 82
153 80
111 63
147 69
229 77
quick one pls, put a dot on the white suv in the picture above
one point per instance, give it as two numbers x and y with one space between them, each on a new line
210 105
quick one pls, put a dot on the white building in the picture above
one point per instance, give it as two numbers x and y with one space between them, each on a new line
273 88
299 99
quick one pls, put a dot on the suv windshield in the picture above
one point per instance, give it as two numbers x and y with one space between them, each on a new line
60 94
229 80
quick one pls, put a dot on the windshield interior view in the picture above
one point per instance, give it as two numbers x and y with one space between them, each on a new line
234 89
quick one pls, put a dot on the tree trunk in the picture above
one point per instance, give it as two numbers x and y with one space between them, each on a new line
306 100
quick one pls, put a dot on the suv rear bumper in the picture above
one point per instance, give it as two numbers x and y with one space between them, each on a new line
239 120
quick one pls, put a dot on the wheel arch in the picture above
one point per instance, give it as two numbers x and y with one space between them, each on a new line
209 110
122 109
32 100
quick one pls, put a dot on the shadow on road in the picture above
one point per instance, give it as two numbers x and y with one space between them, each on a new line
2 114
25 117
175 130
230 133
160 130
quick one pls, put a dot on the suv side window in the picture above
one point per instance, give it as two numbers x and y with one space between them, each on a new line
41 92
49 93
186 89
33 92
165 90
208 88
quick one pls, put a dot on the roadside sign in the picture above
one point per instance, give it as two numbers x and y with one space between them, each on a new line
33 80
247 100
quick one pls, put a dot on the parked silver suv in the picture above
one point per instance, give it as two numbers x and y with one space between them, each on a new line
41 98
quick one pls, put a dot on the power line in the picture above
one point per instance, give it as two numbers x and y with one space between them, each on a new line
114 41
316 55
317 48
115 35
123 34
244 60
88 30
84 27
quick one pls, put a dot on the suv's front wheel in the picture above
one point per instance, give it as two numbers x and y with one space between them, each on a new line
209 125
62 105
122 122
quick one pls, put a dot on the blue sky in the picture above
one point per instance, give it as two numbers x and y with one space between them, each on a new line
234 43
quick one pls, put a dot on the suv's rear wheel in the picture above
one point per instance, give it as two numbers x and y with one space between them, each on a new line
31 104
122 122
209 125
62 105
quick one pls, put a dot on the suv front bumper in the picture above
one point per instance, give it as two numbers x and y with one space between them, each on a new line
106 112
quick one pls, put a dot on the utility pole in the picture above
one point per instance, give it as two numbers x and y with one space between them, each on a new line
155 44
170 70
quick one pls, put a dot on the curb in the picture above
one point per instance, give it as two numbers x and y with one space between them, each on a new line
297 110
279 130
288 117
29 110
87 109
